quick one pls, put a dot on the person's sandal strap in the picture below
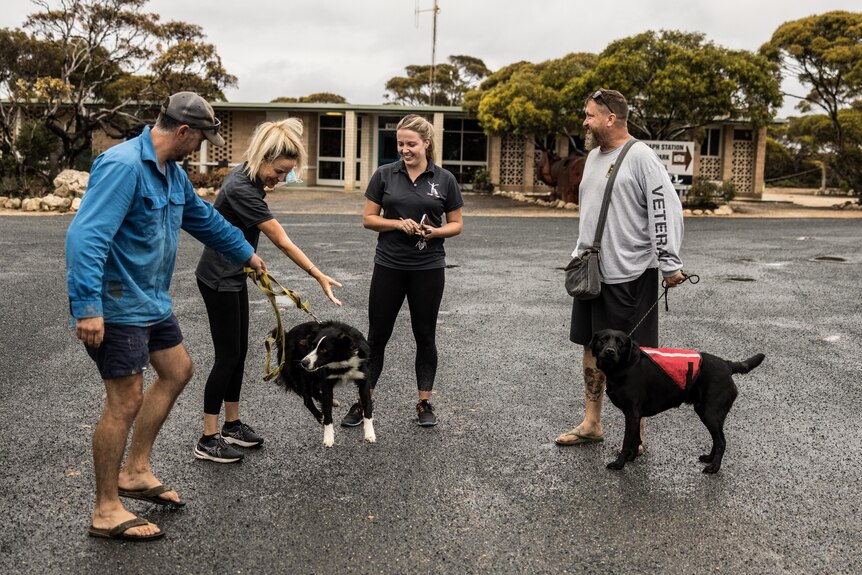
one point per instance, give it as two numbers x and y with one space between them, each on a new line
126 525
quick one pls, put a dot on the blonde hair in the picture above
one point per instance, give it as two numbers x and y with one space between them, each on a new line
274 140
422 127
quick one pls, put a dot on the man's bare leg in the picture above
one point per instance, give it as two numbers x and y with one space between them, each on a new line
594 393
122 403
174 369
594 390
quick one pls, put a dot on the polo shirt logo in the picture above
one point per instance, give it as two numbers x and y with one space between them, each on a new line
433 193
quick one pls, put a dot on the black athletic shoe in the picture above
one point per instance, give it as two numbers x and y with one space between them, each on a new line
216 449
241 434
354 416
425 412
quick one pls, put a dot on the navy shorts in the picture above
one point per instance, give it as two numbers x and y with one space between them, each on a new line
620 306
126 349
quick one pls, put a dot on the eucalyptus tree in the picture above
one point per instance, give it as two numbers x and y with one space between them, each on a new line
451 80
527 99
676 82
78 66
824 52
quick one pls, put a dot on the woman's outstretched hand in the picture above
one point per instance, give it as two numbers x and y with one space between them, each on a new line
326 284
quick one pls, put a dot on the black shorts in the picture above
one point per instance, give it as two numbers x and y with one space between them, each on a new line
620 306
125 349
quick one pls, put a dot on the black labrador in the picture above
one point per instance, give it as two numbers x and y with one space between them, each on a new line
640 388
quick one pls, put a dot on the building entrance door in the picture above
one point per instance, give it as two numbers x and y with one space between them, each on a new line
387 145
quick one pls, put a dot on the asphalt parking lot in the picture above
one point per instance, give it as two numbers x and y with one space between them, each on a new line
486 491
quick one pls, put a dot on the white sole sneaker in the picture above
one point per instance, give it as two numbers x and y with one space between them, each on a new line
209 457
241 443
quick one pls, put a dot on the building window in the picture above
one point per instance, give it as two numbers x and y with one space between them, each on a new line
330 149
711 145
387 145
465 148
743 135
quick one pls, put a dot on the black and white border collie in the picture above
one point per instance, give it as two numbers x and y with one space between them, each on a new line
319 356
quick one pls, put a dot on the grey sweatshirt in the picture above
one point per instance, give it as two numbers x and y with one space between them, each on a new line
644 226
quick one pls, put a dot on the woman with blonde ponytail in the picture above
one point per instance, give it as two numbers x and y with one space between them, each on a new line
275 150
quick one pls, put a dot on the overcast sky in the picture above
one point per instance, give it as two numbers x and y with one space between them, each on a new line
352 47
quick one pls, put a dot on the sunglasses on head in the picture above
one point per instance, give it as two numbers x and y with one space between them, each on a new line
211 128
600 95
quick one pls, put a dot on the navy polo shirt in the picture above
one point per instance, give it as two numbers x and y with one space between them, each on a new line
434 193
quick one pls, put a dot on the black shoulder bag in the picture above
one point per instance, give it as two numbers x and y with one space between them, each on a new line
583 278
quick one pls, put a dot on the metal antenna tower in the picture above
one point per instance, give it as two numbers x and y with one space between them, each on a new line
435 10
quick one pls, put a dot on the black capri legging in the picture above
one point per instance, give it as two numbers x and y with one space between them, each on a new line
228 315
424 291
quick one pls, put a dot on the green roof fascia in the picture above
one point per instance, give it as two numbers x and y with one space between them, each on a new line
393 109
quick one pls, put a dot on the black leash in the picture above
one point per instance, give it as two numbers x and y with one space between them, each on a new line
693 278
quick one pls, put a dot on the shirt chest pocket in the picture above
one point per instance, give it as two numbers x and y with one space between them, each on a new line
153 215
164 210
176 206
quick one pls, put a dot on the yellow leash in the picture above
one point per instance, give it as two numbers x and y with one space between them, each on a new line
265 284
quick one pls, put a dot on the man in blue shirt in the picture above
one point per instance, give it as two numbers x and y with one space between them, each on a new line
120 254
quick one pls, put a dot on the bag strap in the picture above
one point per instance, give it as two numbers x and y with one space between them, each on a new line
609 187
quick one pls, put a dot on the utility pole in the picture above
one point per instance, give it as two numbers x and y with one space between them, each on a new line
435 10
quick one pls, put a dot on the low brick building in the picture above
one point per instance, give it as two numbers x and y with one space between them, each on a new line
347 142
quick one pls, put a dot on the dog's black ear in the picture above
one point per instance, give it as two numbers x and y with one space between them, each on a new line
594 344
631 350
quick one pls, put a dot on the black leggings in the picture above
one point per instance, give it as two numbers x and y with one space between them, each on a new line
424 290
228 315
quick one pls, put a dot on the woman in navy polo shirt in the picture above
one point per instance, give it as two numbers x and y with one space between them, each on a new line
406 202
274 151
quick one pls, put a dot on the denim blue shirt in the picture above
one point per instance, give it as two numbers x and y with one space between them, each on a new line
121 247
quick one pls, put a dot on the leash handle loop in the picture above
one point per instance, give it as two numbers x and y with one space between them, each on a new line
692 278
264 284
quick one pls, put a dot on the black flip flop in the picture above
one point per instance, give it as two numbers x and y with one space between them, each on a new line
152 495
118 532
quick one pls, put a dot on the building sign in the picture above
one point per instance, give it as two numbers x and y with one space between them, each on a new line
678 158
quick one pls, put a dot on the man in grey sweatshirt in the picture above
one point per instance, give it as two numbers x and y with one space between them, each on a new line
642 236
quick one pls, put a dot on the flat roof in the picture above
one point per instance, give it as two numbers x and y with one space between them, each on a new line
394 109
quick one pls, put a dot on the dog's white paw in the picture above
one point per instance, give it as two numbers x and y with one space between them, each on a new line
328 435
368 426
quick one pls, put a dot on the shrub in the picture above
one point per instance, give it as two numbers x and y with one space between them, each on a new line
212 179
482 180
708 195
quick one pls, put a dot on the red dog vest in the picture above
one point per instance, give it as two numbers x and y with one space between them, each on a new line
681 365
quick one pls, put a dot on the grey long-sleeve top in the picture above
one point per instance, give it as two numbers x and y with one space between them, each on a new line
644 228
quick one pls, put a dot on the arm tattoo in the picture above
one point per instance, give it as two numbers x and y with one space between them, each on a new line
594 384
